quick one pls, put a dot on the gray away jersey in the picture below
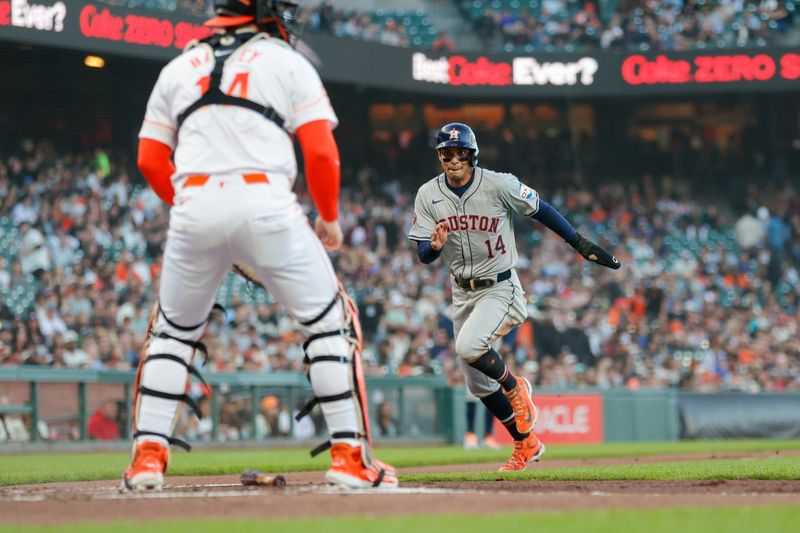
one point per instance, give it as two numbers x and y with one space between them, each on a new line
481 240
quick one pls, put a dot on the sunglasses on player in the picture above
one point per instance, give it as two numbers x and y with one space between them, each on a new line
447 155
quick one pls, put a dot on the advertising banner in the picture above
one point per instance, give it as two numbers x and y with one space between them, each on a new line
97 27
101 28
739 416
564 419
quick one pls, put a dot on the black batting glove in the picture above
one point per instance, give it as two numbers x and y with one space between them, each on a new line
591 252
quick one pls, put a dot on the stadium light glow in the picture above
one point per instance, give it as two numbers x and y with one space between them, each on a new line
94 62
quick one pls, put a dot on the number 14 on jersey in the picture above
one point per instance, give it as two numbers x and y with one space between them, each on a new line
499 246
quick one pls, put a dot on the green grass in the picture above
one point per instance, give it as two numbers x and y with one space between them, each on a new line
43 468
772 519
769 468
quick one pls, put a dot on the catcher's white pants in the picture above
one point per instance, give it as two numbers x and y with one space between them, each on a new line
227 220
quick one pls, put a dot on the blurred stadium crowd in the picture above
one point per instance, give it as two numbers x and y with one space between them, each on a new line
708 299
550 25
629 24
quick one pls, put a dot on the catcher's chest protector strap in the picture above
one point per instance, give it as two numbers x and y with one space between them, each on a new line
224 46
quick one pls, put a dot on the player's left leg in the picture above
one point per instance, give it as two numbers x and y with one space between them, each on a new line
195 261
297 272
496 310
527 446
494 313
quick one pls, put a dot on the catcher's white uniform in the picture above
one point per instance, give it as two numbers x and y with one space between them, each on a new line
234 203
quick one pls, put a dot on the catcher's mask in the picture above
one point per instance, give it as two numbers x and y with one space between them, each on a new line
275 17
458 135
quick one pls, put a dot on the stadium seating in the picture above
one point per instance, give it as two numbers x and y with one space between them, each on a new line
633 25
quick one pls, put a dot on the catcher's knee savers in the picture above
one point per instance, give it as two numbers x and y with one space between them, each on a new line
335 339
164 367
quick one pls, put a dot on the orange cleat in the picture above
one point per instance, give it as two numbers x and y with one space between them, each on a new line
146 471
470 441
521 402
525 451
349 471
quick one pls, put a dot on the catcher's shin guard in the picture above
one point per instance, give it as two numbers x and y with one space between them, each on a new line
163 377
333 353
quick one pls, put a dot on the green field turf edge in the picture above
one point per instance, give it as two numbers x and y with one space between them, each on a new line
772 468
769 519
45 468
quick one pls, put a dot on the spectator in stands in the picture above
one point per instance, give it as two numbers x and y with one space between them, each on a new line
393 35
327 16
5 275
50 322
6 314
63 247
750 231
776 11
443 43
24 212
387 426
74 356
103 422
34 257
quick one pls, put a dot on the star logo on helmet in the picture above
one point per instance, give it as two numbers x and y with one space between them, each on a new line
454 133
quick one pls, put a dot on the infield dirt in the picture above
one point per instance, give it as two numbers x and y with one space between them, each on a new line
306 495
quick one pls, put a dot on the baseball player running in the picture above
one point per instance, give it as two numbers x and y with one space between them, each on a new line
228 107
465 215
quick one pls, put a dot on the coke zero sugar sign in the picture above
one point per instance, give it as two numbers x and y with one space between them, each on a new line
640 70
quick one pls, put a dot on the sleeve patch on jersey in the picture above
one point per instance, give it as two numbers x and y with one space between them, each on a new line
525 192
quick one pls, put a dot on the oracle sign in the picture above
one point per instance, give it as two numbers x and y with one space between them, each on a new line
564 419
705 69
24 14
458 70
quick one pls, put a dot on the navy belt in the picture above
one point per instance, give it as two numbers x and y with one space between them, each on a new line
471 284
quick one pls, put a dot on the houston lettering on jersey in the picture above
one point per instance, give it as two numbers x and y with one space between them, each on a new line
472 223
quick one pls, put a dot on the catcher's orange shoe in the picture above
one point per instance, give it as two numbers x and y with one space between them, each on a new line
349 471
525 451
521 402
146 471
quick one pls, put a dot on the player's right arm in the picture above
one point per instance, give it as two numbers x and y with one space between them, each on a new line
157 139
321 156
429 235
313 120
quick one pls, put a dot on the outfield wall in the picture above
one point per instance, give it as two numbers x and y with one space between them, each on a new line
419 409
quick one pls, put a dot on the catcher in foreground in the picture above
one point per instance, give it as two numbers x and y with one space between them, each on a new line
227 108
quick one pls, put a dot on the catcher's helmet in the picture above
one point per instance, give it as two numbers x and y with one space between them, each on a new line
273 16
458 135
